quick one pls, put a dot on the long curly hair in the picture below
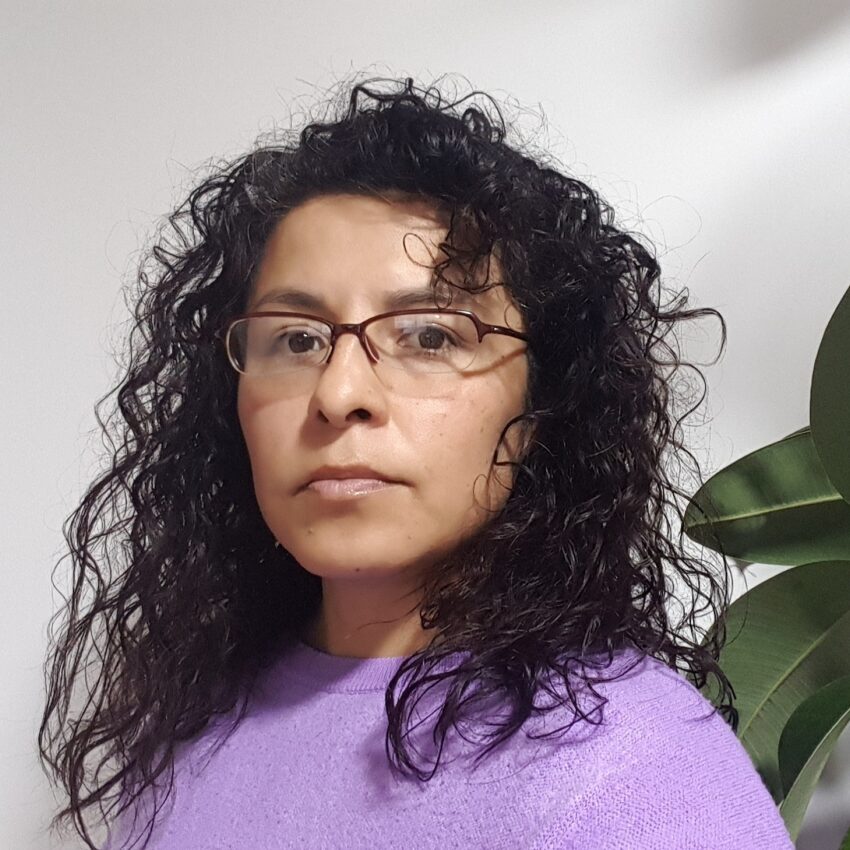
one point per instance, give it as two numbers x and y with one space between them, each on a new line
576 560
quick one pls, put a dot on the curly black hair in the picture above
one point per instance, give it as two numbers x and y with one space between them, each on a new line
576 560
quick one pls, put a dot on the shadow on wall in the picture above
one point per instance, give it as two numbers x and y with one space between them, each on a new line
829 819
826 833
766 31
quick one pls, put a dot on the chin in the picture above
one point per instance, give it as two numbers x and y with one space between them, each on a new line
345 559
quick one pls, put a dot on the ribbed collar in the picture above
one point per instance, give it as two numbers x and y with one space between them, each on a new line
342 673
345 674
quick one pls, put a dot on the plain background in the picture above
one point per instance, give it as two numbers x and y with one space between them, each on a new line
719 130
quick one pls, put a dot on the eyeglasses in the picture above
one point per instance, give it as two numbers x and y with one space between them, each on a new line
414 352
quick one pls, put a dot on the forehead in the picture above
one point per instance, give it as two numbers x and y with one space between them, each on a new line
335 249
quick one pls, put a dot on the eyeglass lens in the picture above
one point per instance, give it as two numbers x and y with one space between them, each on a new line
413 346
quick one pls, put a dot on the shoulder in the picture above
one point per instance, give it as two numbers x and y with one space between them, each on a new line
655 715
671 772
645 691
638 691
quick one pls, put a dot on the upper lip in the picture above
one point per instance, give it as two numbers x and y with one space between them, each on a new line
356 470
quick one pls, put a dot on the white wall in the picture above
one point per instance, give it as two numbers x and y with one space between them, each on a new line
720 129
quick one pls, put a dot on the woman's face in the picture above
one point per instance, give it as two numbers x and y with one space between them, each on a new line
348 251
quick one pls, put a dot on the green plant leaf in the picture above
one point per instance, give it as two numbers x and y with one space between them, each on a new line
806 743
845 843
786 639
829 399
773 506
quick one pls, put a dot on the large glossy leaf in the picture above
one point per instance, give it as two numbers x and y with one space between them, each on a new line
829 399
787 653
786 639
773 506
806 743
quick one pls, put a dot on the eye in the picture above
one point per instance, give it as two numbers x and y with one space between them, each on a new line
432 337
294 340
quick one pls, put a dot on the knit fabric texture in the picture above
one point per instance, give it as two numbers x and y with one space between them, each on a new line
307 768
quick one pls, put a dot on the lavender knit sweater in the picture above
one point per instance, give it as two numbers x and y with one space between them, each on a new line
306 768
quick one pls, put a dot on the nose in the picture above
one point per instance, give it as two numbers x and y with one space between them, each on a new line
358 342
346 385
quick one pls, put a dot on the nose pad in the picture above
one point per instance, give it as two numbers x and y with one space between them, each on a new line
371 355
374 357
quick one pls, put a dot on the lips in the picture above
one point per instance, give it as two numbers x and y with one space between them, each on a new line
343 488
359 472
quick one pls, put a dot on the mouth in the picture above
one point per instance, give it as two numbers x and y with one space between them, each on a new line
347 488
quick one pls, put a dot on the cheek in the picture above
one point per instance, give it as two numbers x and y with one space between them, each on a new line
249 411
264 428
455 445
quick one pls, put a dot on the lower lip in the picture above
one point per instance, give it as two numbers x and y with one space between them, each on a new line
347 488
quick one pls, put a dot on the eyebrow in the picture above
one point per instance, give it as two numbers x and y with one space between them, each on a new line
395 299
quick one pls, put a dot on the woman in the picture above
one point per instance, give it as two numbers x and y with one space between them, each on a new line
398 425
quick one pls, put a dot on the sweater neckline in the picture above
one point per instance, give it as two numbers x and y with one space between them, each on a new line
347 674
344 673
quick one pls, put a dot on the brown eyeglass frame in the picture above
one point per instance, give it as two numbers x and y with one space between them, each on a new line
359 328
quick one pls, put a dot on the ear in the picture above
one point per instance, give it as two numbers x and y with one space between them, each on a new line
519 439
528 432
